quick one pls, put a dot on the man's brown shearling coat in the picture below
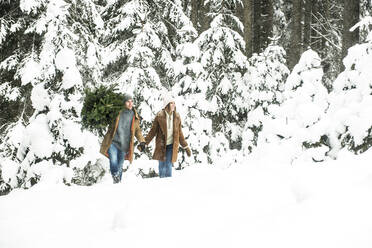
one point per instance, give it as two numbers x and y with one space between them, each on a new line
135 131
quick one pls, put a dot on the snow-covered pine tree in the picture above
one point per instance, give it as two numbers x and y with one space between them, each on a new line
141 39
14 47
15 107
52 145
224 63
191 103
349 119
264 80
297 122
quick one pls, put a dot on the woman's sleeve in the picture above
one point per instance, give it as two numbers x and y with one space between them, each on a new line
152 132
182 138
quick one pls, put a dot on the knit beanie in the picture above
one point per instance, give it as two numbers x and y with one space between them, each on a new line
167 99
127 97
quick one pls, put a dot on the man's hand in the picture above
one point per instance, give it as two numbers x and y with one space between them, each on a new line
141 146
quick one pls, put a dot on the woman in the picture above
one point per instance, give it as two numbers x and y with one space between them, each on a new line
167 129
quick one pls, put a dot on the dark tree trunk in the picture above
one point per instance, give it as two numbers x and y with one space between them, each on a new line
204 19
262 24
351 17
248 26
198 15
307 23
294 52
194 13
325 12
257 23
267 25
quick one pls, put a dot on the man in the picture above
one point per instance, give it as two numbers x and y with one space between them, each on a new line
167 129
118 142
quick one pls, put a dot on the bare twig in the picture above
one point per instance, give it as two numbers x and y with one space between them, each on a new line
332 43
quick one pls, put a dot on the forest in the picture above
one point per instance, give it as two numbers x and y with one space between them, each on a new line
249 75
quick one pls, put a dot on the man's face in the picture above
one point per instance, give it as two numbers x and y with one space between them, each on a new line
129 104
172 106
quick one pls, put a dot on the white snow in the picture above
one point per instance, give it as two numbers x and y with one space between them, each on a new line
225 85
259 203
30 71
71 78
65 59
16 134
40 97
29 6
271 196
189 50
91 56
72 132
9 93
38 137
9 169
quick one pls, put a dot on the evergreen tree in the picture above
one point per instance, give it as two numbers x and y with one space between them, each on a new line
224 63
15 45
191 103
348 120
297 122
58 70
265 80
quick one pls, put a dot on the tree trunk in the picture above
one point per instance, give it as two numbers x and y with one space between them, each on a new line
267 25
351 17
307 23
315 40
262 24
325 13
256 25
248 28
194 13
294 52
204 19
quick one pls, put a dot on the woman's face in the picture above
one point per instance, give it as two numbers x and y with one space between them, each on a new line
172 106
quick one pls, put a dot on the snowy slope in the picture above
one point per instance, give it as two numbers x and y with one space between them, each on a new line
257 204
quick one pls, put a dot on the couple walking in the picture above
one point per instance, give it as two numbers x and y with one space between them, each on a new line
118 143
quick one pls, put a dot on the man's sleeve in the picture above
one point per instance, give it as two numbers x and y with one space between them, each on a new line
138 133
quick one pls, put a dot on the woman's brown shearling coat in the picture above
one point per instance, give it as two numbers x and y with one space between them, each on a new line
135 131
159 129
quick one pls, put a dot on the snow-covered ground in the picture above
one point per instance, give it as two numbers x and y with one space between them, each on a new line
256 204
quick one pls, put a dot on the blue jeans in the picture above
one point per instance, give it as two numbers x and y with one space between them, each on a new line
165 167
116 157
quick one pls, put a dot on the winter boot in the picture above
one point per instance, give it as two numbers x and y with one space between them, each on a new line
116 179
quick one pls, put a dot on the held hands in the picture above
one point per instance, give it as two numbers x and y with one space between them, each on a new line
141 146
